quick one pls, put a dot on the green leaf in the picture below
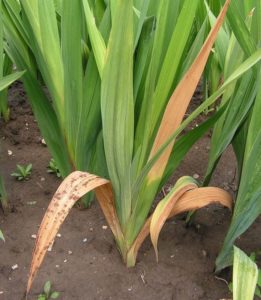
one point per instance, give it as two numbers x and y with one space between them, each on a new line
245 274
248 204
73 73
259 278
47 288
117 106
7 80
29 168
143 14
237 109
2 236
240 29
98 44
41 297
55 295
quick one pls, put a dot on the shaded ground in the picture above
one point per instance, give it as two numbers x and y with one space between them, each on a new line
92 269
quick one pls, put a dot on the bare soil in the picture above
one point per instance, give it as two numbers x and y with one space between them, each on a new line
84 262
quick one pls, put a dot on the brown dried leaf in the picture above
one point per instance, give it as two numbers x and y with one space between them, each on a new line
180 99
201 197
190 200
105 197
69 192
164 207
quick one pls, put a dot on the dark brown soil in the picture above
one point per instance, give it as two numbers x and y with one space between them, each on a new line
93 269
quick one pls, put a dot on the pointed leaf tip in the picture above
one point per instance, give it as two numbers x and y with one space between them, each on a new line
69 192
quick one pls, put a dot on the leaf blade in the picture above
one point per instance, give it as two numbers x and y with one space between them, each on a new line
70 191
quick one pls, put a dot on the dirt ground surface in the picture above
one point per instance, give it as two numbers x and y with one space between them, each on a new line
84 262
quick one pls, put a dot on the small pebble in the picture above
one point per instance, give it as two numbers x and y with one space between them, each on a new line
33 236
130 289
57 266
50 247
42 179
91 229
104 227
14 267
204 252
1 292
85 240
65 261
70 252
43 142
172 256
9 152
58 235
195 176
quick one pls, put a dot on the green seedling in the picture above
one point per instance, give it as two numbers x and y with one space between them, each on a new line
22 172
2 236
3 196
48 293
53 168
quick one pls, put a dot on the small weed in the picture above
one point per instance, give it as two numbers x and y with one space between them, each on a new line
48 293
22 172
53 168
2 236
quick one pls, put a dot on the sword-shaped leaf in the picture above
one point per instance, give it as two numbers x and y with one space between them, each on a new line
70 191
181 97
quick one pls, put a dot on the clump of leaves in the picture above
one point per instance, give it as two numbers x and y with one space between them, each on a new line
48 293
53 168
22 172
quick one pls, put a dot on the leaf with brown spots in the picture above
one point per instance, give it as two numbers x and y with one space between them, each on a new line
70 191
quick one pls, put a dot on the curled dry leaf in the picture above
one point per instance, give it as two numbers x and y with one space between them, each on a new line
165 206
192 199
70 191
201 197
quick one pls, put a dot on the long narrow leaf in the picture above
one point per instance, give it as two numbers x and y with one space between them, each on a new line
117 107
70 191
180 99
